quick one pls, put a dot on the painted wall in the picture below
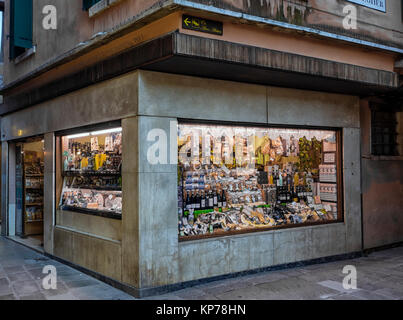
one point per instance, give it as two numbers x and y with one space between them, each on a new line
306 46
76 28
382 188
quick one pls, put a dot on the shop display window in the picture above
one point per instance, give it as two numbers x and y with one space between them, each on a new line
234 179
91 171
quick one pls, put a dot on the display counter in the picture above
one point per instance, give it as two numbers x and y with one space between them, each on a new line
91 171
245 179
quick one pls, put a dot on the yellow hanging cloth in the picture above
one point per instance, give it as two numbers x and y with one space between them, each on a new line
84 163
97 161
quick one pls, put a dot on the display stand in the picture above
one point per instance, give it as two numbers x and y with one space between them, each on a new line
92 178
33 193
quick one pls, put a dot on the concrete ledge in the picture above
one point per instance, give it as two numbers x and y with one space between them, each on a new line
196 56
147 292
91 235
101 6
277 60
385 247
112 282
383 158
25 55
25 244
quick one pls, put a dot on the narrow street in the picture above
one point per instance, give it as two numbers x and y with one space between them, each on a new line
21 278
379 277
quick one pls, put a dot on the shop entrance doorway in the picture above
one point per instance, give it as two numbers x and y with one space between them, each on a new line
0 195
29 182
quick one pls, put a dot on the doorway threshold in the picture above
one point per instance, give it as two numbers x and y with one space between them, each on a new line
30 242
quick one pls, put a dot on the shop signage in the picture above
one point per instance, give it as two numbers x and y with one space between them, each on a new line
373 4
202 25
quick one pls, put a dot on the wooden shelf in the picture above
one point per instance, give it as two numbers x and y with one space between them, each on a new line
90 173
94 212
31 221
33 204
98 188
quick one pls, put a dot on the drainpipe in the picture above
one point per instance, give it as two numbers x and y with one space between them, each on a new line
361 194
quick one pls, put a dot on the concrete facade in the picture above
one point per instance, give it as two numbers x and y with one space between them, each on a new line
382 189
142 250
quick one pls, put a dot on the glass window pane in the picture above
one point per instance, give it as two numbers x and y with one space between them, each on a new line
91 169
234 178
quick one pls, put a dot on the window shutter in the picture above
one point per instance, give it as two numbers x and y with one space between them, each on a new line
21 20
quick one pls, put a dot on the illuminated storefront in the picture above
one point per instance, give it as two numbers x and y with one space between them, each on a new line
162 192
91 171
240 179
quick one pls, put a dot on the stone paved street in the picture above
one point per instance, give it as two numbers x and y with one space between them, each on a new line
380 277
21 278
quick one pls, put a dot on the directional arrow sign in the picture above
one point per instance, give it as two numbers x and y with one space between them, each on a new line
187 21
202 25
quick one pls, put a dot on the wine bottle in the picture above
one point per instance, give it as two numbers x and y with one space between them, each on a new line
289 181
224 200
188 203
219 200
296 179
280 180
192 201
203 201
210 200
271 179
197 201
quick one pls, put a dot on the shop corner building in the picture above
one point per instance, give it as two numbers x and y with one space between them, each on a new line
142 249
130 222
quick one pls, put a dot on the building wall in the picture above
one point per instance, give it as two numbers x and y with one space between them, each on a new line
76 29
382 188
164 98
71 26
93 242
306 46
325 15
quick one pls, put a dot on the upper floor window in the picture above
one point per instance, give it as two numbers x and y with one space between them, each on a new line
89 3
384 131
20 27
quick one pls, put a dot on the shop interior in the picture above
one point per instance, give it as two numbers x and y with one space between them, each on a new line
0 191
29 187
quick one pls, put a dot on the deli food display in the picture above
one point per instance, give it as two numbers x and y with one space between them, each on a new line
242 178
92 181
